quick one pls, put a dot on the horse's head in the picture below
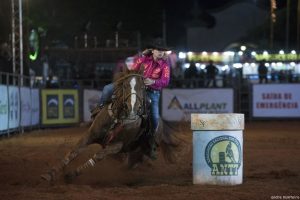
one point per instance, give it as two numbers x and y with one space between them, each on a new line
130 94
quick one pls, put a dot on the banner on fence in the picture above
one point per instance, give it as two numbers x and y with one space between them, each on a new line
60 106
14 107
178 104
25 106
3 108
90 99
276 100
35 107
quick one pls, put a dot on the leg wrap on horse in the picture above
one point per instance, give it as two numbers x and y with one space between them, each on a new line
92 162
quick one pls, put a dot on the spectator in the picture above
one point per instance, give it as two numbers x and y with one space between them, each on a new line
177 75
281 76
201 78
51 83
290 76
273 75
191 74
211 72
262 72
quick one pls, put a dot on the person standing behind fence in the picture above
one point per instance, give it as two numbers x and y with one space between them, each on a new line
211 72
191 75
262 72
177 75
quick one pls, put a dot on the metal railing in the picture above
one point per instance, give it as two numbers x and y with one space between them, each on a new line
16 79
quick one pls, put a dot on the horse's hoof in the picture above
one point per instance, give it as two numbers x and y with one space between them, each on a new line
47 177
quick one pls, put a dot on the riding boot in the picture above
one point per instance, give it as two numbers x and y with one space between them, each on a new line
152 146
96 110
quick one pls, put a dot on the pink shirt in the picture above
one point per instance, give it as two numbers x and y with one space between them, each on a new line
157 70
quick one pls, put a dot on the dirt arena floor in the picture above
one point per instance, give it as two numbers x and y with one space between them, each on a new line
271 169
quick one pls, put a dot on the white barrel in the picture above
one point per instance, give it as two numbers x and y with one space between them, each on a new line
217 148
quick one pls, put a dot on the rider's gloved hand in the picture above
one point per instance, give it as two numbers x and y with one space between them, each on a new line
149 81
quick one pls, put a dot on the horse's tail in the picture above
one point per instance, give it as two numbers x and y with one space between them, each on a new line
171 140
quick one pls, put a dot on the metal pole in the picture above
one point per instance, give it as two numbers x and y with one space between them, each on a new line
298 26
13 41
271 25
21 40
271 33
287 25
85 40
116 39
164 29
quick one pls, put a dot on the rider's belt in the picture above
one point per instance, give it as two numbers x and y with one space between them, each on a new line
152 90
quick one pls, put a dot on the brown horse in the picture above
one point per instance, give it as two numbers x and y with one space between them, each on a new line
120 127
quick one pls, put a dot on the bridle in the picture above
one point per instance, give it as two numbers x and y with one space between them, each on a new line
140 98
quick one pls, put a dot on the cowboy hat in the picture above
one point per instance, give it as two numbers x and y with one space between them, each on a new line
159 44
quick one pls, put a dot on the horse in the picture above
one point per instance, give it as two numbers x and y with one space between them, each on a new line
121 126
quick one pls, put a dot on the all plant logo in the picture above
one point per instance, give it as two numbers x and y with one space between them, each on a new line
223 155
193 105
175 104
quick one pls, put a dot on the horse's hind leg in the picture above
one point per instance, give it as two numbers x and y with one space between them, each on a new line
111 149
71 155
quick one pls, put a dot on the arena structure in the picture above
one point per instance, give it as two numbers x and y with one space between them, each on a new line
38 126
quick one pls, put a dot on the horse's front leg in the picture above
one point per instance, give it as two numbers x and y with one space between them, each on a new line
71 155
111 149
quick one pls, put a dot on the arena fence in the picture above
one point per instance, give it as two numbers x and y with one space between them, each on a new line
23 106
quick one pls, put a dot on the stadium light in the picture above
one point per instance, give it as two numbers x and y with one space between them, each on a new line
182 55
243 48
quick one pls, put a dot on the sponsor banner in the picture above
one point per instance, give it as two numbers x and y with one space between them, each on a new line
90 99
178 104
276 100
60 106
25 106
3 108
35 107
14 107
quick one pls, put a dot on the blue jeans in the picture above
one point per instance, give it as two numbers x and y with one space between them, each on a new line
106 93
154 107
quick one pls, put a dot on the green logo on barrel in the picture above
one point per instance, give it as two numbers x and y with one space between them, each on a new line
223 155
